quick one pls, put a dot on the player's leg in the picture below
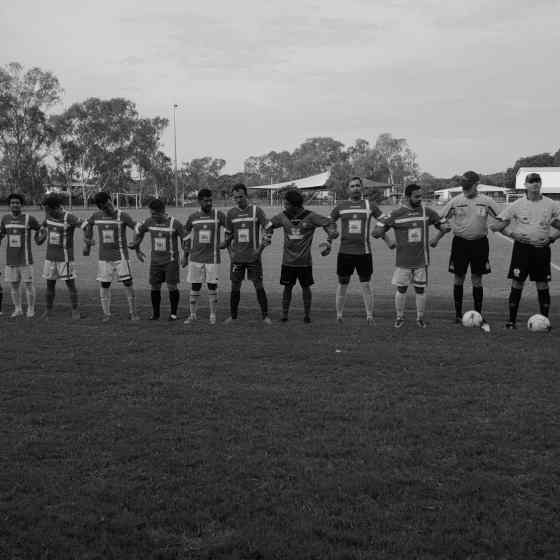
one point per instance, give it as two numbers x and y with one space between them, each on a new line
125 276
29 288
105 277
288 279
480 265
173 294
420 280
365 271
155 297
540 273
543 294
15 292
401 279
50 293
73 293
237 272
458 282
518 272
1 298
344 271
194 296
212 301
458 265
305 276
262 299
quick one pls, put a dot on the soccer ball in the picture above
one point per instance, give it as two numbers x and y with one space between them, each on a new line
538 323
472 319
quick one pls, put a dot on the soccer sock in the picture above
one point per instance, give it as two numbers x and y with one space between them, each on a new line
234 298
173 301
286 300
16 297
263 301
400 302
105 299
30 297
478 295
340 298
73 292
212 301
458 299
514 299
306 295
367 295
50 293
131 299
420 305
155 296
1 296
544 301
193 302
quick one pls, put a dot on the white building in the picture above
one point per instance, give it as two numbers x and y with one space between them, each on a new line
443 195
550 177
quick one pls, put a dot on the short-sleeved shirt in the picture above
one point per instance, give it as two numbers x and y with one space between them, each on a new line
111 233
411 234
468 217
166 234
245 225
531 218
60 237
298 235
17 230
355 224
204 232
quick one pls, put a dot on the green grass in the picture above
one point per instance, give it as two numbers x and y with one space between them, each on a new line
160 440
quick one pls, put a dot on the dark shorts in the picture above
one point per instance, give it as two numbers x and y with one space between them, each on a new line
469 252
527 260
253 270
362 264
291 274
168 272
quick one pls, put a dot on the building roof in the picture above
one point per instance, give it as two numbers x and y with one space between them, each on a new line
480 188
311 182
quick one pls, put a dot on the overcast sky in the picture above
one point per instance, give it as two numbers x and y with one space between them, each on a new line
470 85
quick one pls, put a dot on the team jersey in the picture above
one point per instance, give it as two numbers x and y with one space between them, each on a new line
166 234
531 218
468 217
245 225
17 230
298 235
411 234
111 234
355 222
60 237
203 230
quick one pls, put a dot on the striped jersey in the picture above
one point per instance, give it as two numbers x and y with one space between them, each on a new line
411 234
17 230
60 237
245 226
355 224
468 217
298 235
111 234
166 234
203 230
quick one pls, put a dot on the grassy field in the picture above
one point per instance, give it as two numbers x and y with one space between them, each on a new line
166 441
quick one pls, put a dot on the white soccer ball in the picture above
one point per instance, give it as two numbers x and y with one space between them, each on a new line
472 319
538 323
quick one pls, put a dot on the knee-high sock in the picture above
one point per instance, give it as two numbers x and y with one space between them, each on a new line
105 299
174 301
478 296
306 295
420 305
458 299
400 302
234 299
73 293
263 301
50 293
155 297
544 301
367 295
30 297
213 301
340 298
286 299
194 296
131 299
15 292
514 299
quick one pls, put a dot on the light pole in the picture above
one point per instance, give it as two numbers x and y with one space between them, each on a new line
175 155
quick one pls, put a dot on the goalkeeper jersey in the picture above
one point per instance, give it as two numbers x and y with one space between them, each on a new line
166 234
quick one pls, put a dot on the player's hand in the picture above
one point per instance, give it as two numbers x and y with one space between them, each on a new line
325 247
378 232
434 243
391 245
334 234
223 245
141 256
184 260
86 250
40 236
266 240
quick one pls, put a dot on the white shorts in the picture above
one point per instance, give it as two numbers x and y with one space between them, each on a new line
406 276
23 273
202 273
106 271
53 270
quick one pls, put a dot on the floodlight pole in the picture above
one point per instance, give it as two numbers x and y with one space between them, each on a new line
175 155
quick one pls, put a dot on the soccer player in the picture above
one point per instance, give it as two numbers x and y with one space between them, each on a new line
411 223
244 226
202 253
529 222
166 235
58 230
299 227
355 215
16 227
111 227
467 214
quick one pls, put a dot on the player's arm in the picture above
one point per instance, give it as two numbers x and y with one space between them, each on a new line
89 242
502 220
442 230
329 226
41 234
187 242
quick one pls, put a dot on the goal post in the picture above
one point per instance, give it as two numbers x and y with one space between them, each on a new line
126 200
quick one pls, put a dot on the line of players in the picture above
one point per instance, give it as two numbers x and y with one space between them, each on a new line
533 222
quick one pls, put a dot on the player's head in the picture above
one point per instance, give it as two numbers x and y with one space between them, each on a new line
355 186
469 181
52 204
533 183
413 193
16 201
204 198
103 200
293 199
156 206
239 195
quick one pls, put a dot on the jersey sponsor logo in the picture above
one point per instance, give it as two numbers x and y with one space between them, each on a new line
243 235
355 226
14 241
295 233
415 235
108 236
204 235
482 210
55 238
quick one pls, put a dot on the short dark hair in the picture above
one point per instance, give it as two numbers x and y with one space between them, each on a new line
16 196
533 178
356 178
239 187
52 201
469 179
204 193
157 205
293 196
101 197
412 187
